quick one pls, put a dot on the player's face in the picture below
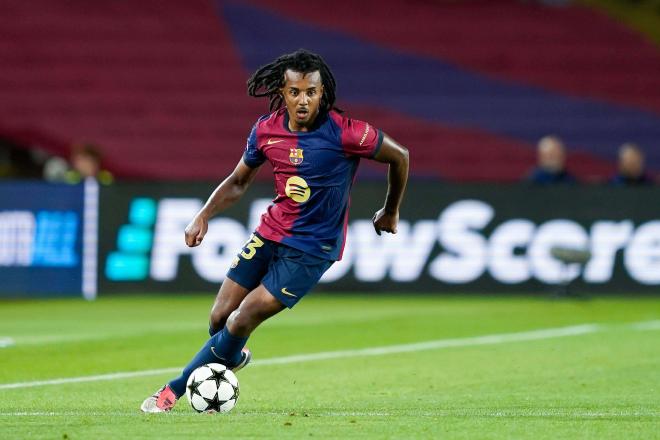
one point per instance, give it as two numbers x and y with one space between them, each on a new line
302 96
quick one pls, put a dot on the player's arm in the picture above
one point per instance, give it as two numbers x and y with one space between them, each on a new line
396 155
226 194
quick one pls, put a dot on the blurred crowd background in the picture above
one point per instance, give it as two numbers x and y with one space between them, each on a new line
496 91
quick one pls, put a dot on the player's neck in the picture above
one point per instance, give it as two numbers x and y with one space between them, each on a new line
307 126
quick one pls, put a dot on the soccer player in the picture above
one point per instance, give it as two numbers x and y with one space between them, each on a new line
314 151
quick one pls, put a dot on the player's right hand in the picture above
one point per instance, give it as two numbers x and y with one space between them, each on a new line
385 221
196 230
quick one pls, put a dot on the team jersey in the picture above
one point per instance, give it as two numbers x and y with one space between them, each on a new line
314 173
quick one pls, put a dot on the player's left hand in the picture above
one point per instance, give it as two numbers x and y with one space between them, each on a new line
385 221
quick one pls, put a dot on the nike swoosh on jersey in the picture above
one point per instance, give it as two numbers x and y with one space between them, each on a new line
287 293
271 141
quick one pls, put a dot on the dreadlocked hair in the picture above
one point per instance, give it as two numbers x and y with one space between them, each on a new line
269 79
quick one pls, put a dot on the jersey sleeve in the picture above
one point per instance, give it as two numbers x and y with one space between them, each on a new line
253 156
360 138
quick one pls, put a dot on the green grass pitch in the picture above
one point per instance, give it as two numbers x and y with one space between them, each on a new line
600 381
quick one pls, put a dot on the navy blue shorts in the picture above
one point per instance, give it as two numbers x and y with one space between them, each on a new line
287 273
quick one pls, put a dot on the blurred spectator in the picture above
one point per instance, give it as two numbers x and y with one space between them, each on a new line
551 163
55 169
17 162
631 169
84 162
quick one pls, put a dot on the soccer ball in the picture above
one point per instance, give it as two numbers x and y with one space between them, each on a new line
212 388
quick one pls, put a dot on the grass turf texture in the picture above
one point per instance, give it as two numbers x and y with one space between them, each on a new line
599 385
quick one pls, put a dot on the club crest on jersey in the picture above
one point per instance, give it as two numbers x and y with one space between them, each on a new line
296 156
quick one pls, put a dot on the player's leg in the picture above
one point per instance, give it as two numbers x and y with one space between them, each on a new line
225 347
291 275
244 275
257 306
229 297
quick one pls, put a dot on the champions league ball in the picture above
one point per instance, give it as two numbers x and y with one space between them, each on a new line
212 388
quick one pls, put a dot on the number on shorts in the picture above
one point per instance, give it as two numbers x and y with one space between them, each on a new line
251 247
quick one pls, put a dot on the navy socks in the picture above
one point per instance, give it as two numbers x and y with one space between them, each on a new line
228 347
223 347
212 330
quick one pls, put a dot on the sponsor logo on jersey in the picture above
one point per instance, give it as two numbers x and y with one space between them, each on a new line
297 189
296 156
274 141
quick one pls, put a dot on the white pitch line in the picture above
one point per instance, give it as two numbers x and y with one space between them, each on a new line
20 341
95 378
502 338
372 351
437 344
647 325
77 337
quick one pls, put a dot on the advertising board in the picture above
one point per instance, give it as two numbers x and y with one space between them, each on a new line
47 239
451 238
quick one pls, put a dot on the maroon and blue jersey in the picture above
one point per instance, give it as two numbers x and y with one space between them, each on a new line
314 172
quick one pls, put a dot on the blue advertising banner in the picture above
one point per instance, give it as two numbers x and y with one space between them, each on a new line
41 239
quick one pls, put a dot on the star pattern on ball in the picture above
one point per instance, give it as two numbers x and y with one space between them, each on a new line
194 387
218 377
213 404
236 392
